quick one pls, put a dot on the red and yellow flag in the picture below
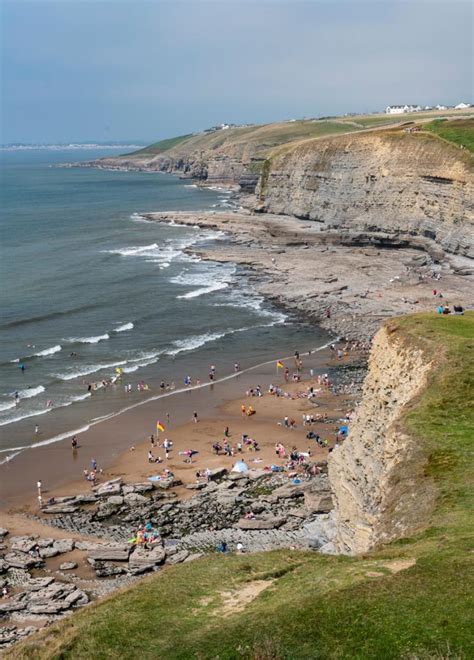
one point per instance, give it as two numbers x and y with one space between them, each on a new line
280 364
159 426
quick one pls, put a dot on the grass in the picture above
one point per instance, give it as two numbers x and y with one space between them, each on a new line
161 146
321 606
456 131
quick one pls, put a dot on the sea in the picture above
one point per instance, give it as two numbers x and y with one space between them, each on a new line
100 307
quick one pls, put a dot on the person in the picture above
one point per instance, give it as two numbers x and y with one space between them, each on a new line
94 464
39 486
195 417
36 429
243 409
151 458
458 309
40 501
240 547
152 440
227 432
74 442
236 367
17 398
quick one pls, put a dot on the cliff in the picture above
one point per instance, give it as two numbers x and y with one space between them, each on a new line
389 181
377 475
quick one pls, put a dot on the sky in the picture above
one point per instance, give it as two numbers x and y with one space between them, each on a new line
124 70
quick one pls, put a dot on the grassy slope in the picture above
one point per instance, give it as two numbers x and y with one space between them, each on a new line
317 606
459 131
261 139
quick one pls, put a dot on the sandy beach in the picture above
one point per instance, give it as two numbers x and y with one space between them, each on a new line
218 405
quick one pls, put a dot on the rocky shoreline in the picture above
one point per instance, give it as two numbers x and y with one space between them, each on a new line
252 512
348 283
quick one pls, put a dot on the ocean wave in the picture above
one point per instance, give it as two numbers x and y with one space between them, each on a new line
7 405
136 217
29 392
124 327
48 351
196 341
208 278
89 369
88 340
218 286
10 457
27 415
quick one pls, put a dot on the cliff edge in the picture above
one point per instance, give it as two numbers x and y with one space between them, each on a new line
383 486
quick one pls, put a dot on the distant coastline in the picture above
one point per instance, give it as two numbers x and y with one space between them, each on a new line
69 146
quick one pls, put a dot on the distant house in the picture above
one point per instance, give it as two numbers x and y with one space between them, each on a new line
400 109
441 107
462 106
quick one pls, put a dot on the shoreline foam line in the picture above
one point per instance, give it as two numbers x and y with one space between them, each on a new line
99 420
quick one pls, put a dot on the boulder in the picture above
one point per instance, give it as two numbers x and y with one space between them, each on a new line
46 553
218 473
198 486
106 509
59 508
142 560
45 543
21 560
12 606
64 545
67 566
137 488
115 500
3 532
288 491
22 543
318 502
134 499
35 584
113 487
105 569
3 566
111 552
178 557
270 522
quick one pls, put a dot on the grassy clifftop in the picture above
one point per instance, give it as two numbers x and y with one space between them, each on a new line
259 140
411 599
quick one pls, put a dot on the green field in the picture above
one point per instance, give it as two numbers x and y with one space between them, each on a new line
318 606
457 131
259 140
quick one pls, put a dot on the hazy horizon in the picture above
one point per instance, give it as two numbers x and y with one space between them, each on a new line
116 70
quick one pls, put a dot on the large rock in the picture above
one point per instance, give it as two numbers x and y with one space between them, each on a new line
111 552
3 532
115 500
113 487
217 473
46 553
59 508
35 584
142 560
64 545
318 502
22 543
137 488
21 560
288 491
135 499
178 557
68 566
270 522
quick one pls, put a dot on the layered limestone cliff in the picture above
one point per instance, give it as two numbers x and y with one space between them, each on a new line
377 475
390 181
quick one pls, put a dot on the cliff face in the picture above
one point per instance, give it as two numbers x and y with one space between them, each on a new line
393 182
377 474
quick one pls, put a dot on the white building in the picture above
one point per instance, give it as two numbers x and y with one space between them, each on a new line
400 109
462 106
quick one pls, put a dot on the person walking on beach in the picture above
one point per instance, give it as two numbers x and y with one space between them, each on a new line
94 465
74 442
195 417
36 429
39 486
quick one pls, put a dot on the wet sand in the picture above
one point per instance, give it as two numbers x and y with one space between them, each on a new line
60 468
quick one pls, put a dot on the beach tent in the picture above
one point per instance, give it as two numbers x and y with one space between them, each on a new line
240 466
